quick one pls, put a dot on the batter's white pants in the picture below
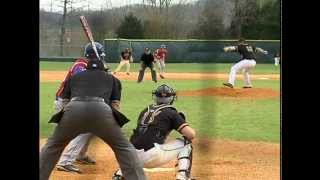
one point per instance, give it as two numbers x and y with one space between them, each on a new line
161 65
244 65
164 153
122 63
77 148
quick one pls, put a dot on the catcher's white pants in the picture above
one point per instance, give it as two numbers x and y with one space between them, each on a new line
161 65
164 153
244 65
122 63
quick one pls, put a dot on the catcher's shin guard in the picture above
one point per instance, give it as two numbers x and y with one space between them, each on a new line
153 75
184 163
141 74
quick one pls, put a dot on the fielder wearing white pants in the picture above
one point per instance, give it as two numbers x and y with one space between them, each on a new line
244 65
161 66
122 63
162 154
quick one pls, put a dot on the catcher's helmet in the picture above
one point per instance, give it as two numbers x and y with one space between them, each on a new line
164 95
89 52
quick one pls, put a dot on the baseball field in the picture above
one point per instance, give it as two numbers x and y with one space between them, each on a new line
238 130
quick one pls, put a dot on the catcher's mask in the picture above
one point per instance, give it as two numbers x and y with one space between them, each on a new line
164 95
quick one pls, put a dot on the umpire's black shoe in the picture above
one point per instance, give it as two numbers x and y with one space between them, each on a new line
86 160
69 168
228 85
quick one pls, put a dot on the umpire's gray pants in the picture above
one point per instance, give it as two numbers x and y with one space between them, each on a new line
77 148
96 118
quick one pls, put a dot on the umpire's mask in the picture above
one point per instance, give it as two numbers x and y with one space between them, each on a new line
164 95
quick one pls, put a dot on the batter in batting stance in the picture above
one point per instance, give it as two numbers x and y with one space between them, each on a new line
76 151
147 60
88 111
246 63
160 56
125 59
155 123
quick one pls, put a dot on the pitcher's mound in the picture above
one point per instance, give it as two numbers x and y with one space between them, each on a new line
228 92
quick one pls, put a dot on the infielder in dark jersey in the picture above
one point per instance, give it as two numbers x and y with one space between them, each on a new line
246 63
155 123
147 60
125 59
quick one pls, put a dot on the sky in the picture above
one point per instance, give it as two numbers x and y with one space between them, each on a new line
93 5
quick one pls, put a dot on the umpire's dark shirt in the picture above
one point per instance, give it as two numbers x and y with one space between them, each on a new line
96 83
147 59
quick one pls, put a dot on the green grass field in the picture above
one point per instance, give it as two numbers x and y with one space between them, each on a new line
173 67
219 117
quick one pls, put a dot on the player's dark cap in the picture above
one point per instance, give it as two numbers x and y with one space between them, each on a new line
241 40
95 64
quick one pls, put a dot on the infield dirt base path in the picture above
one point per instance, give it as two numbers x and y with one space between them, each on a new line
212 160
52 76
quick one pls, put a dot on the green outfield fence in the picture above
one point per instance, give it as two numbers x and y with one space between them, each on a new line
179 51
190 50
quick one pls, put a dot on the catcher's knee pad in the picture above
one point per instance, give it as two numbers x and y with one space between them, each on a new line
185 161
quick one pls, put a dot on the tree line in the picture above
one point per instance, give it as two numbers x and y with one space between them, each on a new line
161 19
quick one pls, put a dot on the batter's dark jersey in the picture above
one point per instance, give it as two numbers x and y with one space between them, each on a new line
157 132
246 51
147 59
95 83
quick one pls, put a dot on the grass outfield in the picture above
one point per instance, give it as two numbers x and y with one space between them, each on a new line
173 67
225 118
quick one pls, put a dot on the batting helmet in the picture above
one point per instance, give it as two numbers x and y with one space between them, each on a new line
164 95
89 52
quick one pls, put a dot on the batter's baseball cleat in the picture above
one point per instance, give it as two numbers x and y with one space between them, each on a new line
228 85
117 177
69 168
86 160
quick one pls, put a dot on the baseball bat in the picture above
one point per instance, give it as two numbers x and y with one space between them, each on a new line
88 33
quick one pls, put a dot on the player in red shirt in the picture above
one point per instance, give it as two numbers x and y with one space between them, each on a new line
160 56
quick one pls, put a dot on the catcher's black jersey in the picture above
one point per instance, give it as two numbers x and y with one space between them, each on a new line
246 51
164 121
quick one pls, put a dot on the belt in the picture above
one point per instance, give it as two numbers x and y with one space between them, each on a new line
87 98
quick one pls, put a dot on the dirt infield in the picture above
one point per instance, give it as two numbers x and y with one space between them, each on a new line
213 160
52 76
253 93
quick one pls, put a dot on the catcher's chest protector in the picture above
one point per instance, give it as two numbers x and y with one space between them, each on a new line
149 116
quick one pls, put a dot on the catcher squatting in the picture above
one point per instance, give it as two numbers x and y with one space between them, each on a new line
154 125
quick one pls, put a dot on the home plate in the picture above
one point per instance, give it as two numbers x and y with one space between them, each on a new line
264 78
159 169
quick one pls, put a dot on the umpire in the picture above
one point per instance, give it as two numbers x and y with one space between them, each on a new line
89 112
147 60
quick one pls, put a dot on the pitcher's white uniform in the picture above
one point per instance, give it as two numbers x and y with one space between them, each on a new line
246 63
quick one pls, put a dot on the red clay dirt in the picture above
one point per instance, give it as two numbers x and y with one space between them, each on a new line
51 76
254 93
213 160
